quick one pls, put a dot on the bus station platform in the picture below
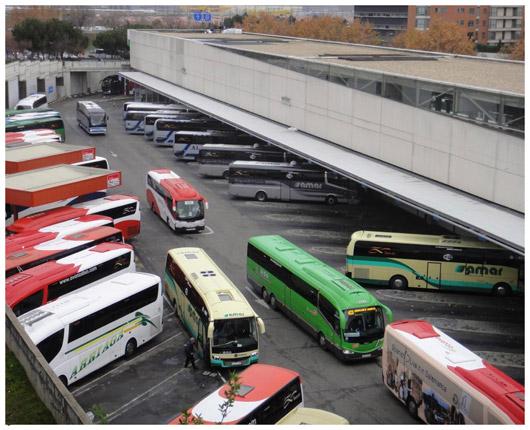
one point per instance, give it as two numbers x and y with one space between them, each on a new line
30 157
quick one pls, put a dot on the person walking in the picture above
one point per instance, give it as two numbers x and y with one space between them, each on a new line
189 351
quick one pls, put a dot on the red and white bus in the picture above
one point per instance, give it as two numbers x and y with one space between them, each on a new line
123 210
266 395
39 253
180 205
31 137
42 284
442 382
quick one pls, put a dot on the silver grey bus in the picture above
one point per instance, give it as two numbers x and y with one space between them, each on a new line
263 180
165 128
150 119
214 159
91 117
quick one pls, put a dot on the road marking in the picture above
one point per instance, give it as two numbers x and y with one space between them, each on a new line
86 387
328 234
128 405
113 154
209 231
258 300
330 250
503 359
222 377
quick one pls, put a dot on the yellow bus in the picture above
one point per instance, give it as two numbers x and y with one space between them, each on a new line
402 260
303 415
212 309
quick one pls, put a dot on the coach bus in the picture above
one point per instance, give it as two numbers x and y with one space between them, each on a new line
187 144
53 249
12 112
52 123
165 128
91 117
312 416
402 260
150 107
123 210
33 101
442 382
342 315
262 180
266 394
85 330
212 309
150 120
33 114
39 285
214 159
31 137
175 201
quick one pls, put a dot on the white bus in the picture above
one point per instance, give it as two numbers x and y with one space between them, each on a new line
32 102
214 159
91 117
187 144
165 128
150 119
98 162
212 309
46 282
442 382
150 107
263 180
83 331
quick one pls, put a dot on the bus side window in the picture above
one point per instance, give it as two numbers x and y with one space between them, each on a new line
304 289
51 346
29 303
329 312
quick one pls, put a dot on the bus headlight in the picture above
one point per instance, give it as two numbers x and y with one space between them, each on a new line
254 354
216 357
347 351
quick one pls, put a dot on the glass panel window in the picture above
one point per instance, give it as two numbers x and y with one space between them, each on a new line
437 98
51 346
369 82
479 106
513 113
234 335
401 90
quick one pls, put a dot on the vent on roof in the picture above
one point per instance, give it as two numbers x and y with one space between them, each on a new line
34 316
382 57
191 256
225 296
244 390
207 273
232 41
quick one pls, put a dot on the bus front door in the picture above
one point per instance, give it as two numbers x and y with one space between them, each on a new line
434 272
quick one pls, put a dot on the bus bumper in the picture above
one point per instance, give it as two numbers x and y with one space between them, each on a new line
348 355
234 362
97 130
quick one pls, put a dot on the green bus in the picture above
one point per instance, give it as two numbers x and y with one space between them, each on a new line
53 122
342 315
13 112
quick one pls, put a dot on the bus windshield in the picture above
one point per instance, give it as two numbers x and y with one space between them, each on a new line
364 325
234 335
97 118
189 209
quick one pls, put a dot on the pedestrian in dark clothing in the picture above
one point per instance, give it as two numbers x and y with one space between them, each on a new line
189 351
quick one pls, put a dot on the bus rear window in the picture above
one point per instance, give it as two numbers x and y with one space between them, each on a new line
29 303
51 346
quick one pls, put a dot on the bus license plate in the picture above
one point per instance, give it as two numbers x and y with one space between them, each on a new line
366 355
236 363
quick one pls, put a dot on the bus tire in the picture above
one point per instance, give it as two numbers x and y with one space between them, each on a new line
265 295
322 341
331 200
398 282
261 196
225 174
130 348
274 302
501 290
63 380
412 407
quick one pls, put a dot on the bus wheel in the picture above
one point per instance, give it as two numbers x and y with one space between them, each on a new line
265 295
225 174
63 380
331 200
501 290
274 303
398 282
322 341
412 407
130 348
261 196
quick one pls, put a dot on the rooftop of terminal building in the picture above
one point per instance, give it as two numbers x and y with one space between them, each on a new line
465 71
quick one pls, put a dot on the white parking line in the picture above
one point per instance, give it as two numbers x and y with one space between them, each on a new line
88 386
128 405
113 154
207 230
258 300
222 377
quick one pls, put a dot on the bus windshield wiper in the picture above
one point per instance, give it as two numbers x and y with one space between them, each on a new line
226 343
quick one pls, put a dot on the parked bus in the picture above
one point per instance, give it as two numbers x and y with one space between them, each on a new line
342 315
188 143
313 416
11 112
91 117
262 180
123 210
33 255
150 107
85 330
134 121
39 285
150 119
266 394
33 101
32 137
175 201
214 159
402 260
165 128
98 162
212 309
53 123
33 114
442 382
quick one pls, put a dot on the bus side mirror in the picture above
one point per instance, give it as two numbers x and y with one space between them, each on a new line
210 330
206 204
389 317
261 326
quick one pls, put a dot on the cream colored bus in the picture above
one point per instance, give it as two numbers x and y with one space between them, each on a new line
212 309
442 382
402 260
303 415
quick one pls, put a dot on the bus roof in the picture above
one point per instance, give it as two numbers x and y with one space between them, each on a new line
41 322
221 297
465 365
276 165
91 106
29 281
312 416
177 187
11 112
343 291
421 239
261 381
239 148
227 133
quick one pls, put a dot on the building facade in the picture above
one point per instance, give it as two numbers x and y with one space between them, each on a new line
505 24
386 20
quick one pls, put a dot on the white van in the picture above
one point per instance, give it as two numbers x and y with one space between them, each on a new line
33 101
